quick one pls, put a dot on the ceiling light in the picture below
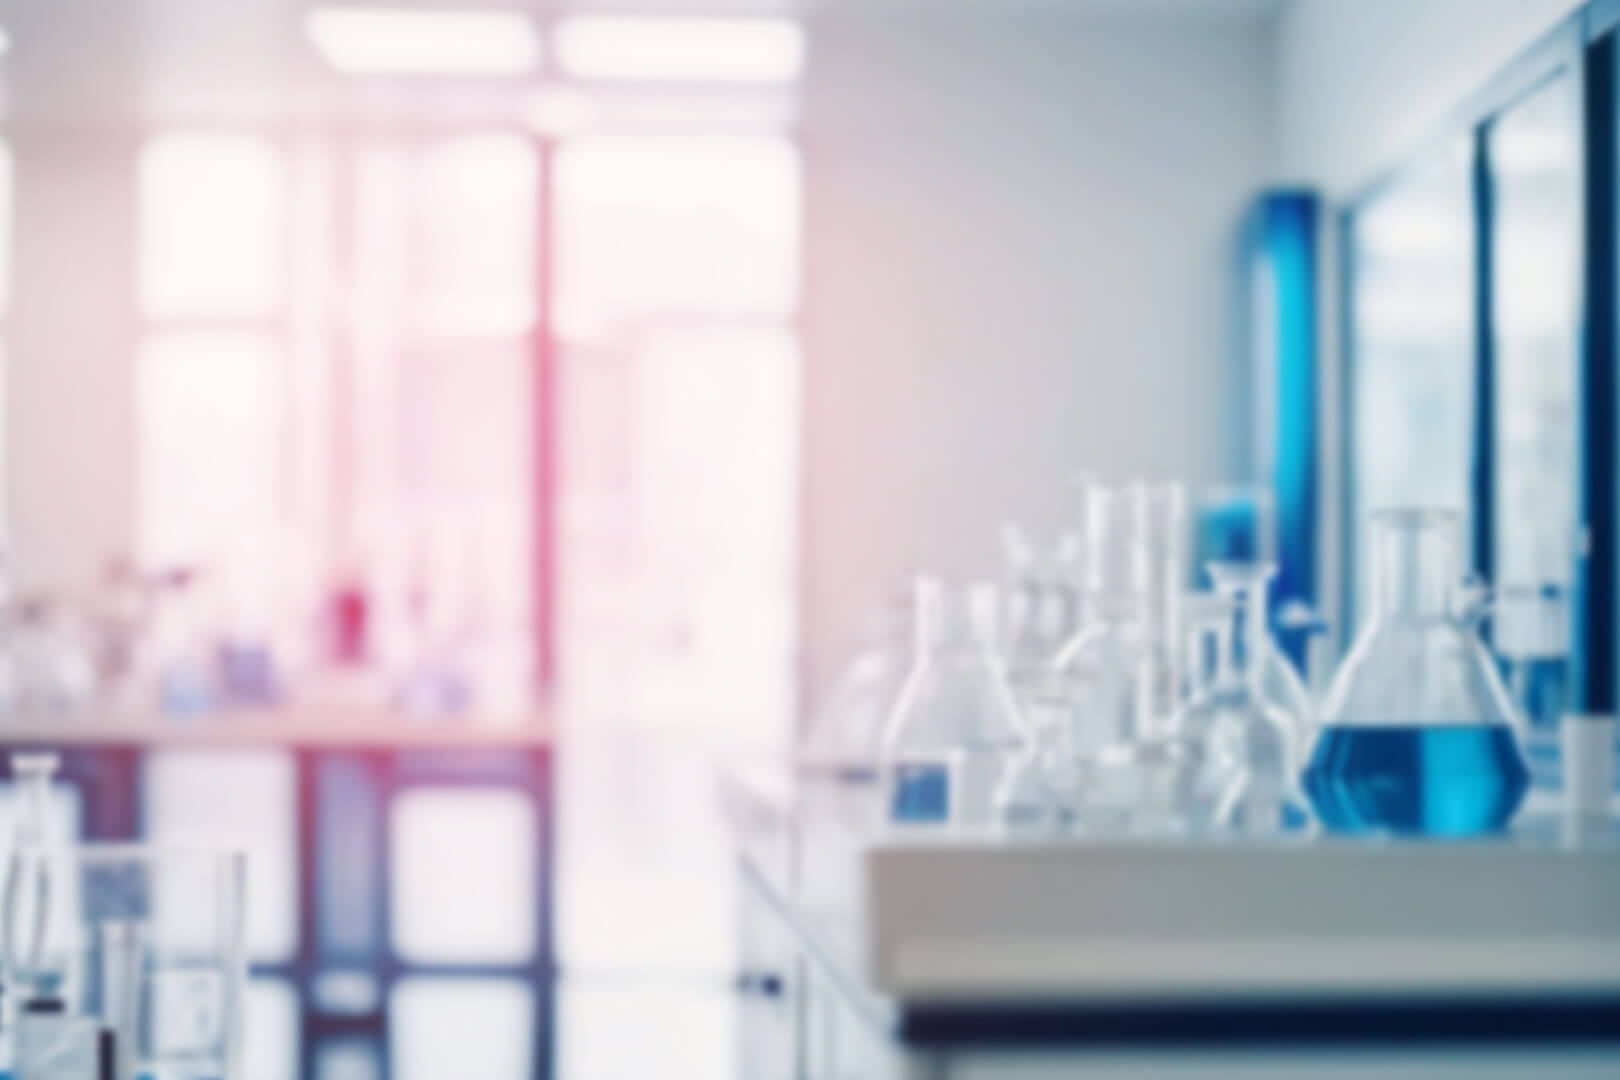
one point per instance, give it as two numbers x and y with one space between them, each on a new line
694 50
417 41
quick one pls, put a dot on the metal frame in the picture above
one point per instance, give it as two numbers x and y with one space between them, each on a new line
1561 49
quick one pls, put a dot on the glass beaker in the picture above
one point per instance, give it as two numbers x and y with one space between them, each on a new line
141 968
1418 734
954 730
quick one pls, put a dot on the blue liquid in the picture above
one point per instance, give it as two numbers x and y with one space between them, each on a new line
922 792
1440 780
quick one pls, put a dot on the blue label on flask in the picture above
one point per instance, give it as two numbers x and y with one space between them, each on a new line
922 792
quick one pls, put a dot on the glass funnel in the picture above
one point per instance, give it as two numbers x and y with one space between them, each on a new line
954 730
1418 734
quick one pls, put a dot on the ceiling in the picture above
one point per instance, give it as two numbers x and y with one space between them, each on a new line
111 62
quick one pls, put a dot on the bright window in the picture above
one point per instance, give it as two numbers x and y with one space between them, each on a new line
211 220
441 1027
465 871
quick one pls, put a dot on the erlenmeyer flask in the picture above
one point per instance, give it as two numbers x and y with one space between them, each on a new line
1245 585
1252 742
1418 734
954 730
845 736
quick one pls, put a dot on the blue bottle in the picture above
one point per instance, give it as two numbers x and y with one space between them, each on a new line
1419 736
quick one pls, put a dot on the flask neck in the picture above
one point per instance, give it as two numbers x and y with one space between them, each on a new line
1416 565
1243 645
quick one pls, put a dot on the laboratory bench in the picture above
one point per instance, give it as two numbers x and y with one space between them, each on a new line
321 792
885 954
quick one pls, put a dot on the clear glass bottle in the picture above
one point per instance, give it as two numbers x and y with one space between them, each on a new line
955 730
1418 734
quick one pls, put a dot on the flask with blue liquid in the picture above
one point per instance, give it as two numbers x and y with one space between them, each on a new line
954 731
1418 735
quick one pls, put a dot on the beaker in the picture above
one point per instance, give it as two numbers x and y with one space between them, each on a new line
142 966
1418 735
844 738
955 729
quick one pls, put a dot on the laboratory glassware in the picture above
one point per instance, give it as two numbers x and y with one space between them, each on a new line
1041 600
1418 734
1186 793
954 730
1252 740
1099 677
142 969
1530 632
1245 585
1162 576
28 873
845 735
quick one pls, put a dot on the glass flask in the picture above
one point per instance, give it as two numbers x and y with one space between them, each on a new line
845 737
1186 793
1041 607
1418 734
1251 758
1530 634
1099 677
954 730
1245 585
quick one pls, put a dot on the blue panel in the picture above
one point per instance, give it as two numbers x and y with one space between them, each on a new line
1281 264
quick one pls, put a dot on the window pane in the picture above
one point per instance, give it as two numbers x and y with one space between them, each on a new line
67 812
1413 341
649 226
245 798
270 1050
461 1027
465 869
447 236
1534 153
208 420
682 1032
348 1059
212 215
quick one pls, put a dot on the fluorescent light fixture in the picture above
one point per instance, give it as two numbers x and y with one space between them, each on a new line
674 49
421 41
559 111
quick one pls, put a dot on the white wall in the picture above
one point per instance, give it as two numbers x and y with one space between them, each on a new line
1360 82
1020 247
